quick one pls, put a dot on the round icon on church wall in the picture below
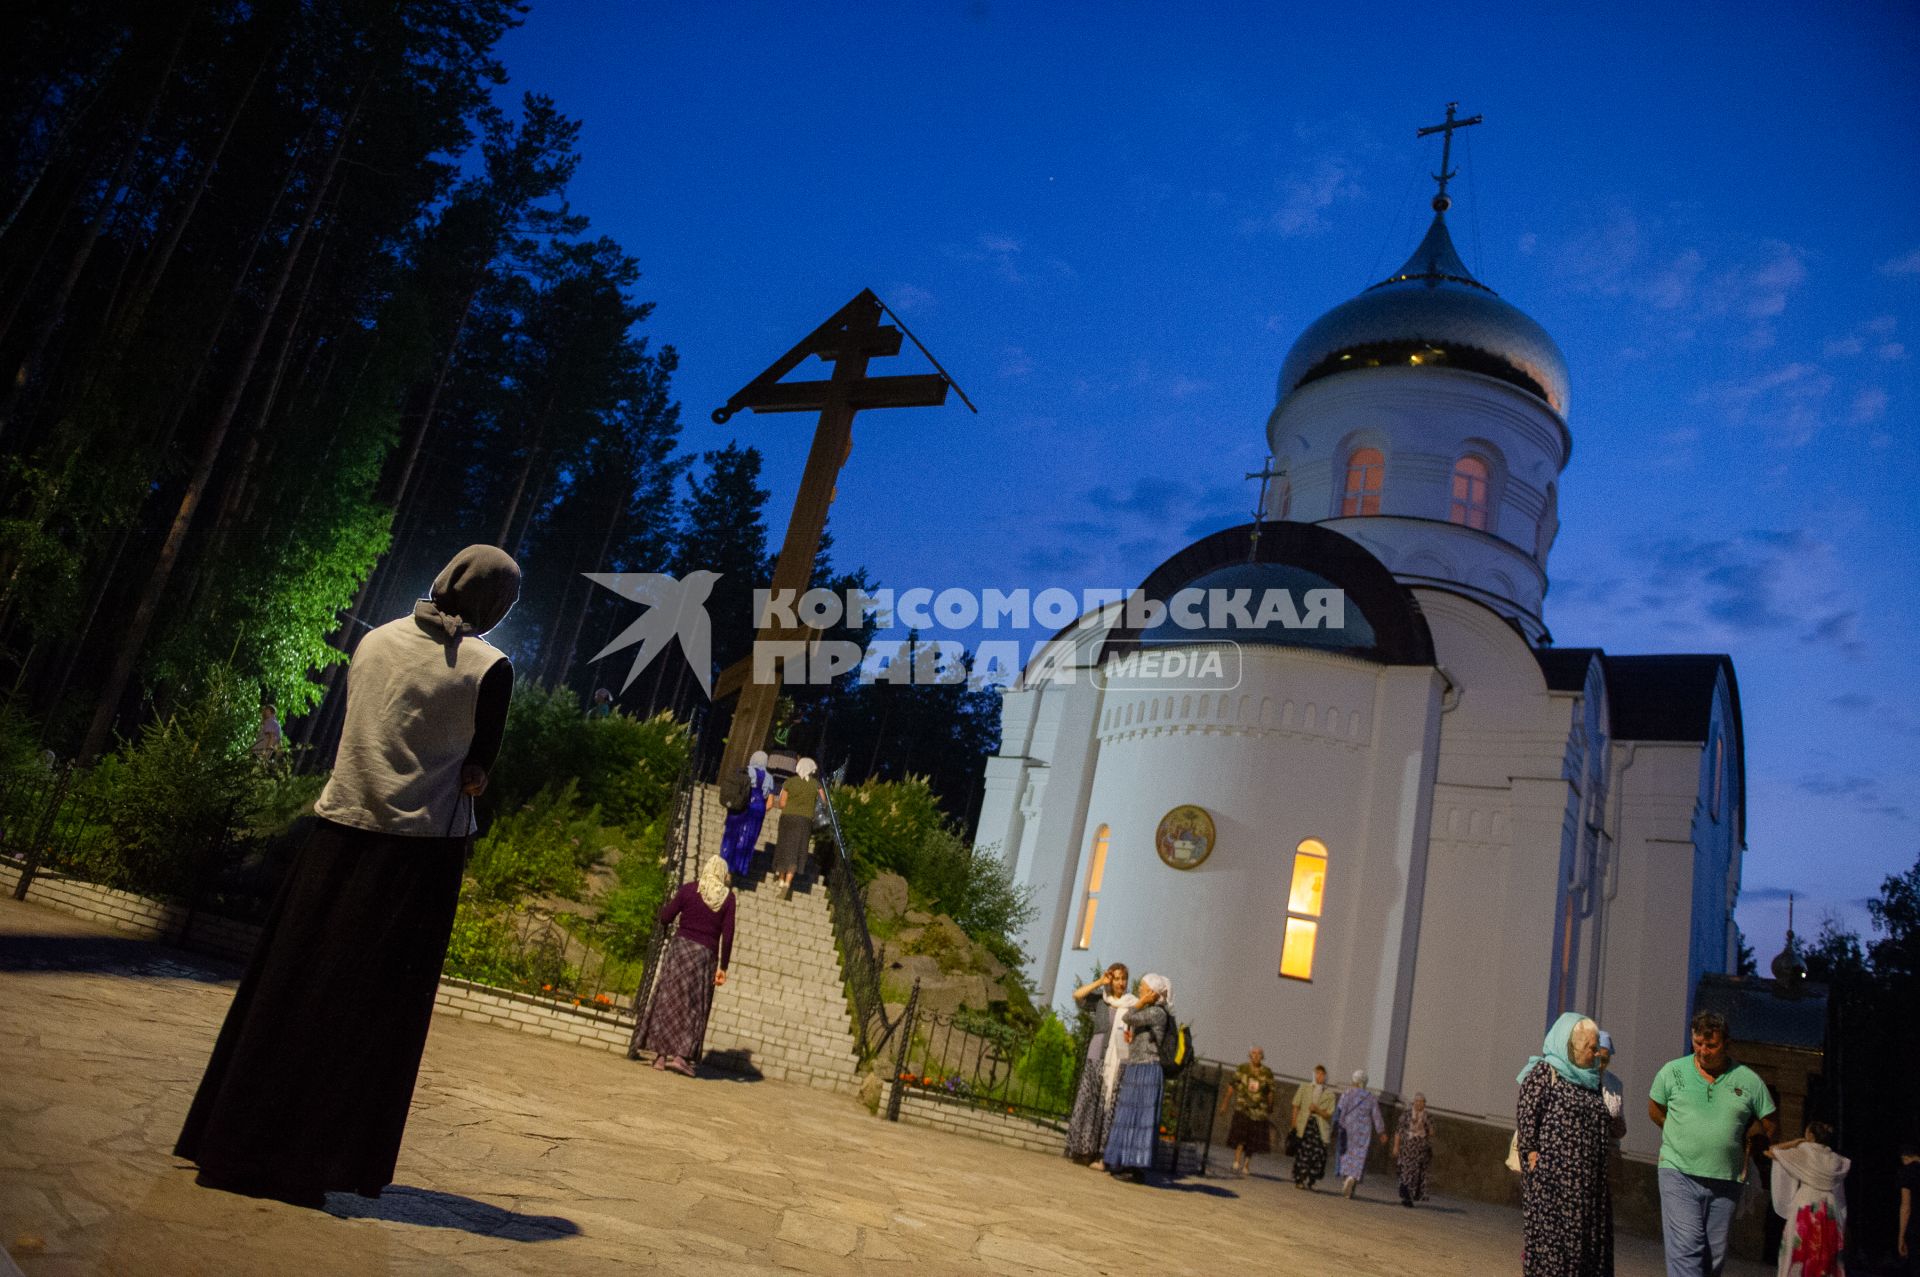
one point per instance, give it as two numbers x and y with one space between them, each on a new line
1185 837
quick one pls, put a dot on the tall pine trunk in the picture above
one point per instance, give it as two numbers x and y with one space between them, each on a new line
154 589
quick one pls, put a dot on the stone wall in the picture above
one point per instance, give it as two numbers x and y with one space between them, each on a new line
606 1030
139 916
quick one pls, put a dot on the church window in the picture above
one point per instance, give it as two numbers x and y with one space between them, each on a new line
1286 496
1366 473
1305 896
1469 507
1090 903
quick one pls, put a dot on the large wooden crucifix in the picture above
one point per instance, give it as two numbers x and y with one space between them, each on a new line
848 340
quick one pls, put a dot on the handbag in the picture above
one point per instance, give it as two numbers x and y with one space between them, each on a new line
1513 1152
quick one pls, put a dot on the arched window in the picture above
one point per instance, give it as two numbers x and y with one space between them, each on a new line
1304 899
1090 902
1286 497
1366 474
1469 493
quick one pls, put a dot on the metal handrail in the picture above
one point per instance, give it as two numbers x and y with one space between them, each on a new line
849 913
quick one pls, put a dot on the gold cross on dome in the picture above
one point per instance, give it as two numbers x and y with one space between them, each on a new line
1441 201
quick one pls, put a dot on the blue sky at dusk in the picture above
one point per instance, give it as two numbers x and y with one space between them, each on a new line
1110 221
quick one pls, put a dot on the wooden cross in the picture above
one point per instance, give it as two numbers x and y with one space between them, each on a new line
848 340
1441 202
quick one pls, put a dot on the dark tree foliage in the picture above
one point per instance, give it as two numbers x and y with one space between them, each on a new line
293 306
1874 986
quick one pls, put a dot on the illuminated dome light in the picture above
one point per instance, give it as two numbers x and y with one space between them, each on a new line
1431 313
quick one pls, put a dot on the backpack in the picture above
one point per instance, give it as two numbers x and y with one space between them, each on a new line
1176 1048
736 792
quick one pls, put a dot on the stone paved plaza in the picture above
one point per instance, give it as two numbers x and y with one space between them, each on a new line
525 1155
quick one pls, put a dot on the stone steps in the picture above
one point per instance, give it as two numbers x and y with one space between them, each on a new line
783 1011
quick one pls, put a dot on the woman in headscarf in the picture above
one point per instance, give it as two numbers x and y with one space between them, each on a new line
1359 1121
1251 1093
1413 1150
1107 999
692 966
1312 1128
743 827
798 799
309 1084
1136 1117
1563 1135
1806 1192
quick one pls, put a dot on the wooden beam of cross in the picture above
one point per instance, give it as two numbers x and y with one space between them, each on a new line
1442 201
848 340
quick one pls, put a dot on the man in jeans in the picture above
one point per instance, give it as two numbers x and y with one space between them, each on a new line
1705 1105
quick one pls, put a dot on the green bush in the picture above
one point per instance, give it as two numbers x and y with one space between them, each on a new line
628 912
626 766
486 947
182 791
542 848
1043 1075
898 827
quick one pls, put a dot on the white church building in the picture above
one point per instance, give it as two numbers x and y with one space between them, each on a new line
1422 834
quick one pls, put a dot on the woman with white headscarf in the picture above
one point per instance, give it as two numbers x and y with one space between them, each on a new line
799 797
310 1081
743 826
692 965
1357 1121
1807 1192
1136 1116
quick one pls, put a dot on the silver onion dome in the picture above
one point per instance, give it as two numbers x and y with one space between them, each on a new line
1431 312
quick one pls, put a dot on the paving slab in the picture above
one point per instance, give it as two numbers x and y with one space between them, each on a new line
526 1155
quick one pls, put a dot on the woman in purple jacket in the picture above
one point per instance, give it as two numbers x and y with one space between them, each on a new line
693 964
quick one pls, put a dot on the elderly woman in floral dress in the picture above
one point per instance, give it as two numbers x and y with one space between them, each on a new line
1359 1120
1251 1095
1413 1150
1563 1136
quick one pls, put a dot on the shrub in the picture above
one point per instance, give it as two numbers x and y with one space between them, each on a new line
628 912
487 948
541 848
626 766
1043 1075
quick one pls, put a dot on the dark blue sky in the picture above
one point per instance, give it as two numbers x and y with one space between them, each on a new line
1110 221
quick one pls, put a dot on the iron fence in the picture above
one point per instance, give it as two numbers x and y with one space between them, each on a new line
973 1059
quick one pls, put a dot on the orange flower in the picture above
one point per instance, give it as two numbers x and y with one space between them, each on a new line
546 988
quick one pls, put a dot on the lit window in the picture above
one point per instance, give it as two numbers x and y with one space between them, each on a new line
1090 904
1469 493
1304 900
1366 473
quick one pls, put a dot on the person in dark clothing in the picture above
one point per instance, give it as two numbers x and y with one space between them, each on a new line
310 1080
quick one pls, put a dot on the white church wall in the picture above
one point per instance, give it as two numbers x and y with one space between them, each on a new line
1312 745
1643 999
1500 805
1067 747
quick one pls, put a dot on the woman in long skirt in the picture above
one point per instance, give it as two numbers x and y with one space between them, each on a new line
743 827
310 1081
692 966
1359 1121
1413 1150
1564 1139
1099 1088
1312 1128
1807 1190
1136 1117
798 799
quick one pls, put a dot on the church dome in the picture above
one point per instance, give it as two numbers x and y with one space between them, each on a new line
1431 312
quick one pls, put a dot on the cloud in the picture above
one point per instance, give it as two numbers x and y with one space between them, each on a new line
1618 253
1769 893
909 299
1110 536
1305 198
1792 398
1852 702
1908 264
1843 347
1015 362
1891 351
1862 793
1674 592
1868 406
998 253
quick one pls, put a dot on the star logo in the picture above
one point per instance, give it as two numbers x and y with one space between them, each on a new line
675 609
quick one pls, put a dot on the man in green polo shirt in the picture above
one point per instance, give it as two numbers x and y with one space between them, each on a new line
1705 1105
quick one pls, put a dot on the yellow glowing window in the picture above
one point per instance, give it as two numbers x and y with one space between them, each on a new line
1366 474
1305 898
1469 506
1090 903
1296 955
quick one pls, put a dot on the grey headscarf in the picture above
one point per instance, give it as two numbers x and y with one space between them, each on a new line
472 594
